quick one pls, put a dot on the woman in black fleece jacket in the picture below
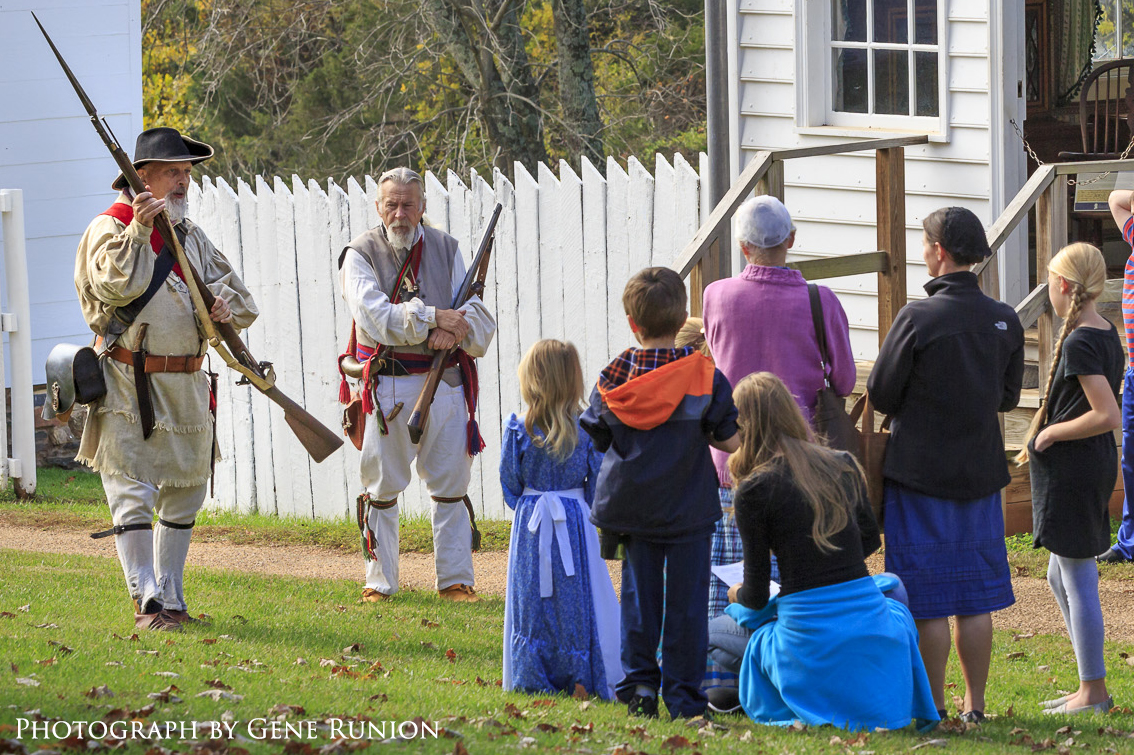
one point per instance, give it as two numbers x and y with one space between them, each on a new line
948 365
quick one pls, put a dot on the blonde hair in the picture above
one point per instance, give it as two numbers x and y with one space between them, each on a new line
1083 267
773 430
551 384
692 333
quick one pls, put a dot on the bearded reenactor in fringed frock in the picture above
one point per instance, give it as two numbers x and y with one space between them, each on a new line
399 281
151 437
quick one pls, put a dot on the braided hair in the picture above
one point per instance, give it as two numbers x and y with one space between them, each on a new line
1083 267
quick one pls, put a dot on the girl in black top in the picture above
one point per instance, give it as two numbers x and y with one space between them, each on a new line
1073 463
830 626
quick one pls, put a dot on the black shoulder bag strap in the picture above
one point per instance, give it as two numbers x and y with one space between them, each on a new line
820 329
125 315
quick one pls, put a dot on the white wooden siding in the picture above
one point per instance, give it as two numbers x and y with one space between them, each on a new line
565 246
832 198
48 148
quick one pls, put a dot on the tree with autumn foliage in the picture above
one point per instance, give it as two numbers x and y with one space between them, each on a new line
343 87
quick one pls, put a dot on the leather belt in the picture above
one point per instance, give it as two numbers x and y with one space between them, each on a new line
155 363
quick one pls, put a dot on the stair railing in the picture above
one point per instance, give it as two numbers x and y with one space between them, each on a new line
703 260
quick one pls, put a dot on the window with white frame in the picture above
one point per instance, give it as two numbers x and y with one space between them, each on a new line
1114 35
879 63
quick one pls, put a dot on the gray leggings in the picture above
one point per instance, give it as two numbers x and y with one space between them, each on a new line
1075 582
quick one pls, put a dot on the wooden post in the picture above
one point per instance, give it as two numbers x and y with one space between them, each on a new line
890 191
1051 236
772 183
696 289
707 270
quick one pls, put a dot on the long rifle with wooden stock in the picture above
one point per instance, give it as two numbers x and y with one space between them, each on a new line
473 285
319 441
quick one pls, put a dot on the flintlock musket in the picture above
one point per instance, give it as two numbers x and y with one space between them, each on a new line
473 285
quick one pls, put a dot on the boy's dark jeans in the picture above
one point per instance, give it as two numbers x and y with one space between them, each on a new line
680 606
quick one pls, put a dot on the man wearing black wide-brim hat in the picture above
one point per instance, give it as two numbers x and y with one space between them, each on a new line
151 437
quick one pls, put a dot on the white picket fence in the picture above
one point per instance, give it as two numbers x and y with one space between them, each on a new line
565 246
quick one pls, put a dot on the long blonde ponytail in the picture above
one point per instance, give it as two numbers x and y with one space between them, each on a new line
1083 267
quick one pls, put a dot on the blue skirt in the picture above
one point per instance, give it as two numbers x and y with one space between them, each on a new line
950 554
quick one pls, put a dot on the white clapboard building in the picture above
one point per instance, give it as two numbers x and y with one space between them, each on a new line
48 148
806 73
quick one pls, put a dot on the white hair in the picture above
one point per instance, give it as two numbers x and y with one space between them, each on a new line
403 177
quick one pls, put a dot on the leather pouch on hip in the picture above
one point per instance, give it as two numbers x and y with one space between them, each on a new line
74 376
354 421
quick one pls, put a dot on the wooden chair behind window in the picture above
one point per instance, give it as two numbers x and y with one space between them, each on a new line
1106 112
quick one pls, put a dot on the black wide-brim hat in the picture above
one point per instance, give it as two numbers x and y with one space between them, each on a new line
165 145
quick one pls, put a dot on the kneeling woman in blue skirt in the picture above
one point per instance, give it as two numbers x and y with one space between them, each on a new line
830 647
949 363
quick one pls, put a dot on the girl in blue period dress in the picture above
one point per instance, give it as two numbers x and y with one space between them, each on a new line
561 614
1073 461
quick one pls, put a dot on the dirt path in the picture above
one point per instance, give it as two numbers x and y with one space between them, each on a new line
1035 609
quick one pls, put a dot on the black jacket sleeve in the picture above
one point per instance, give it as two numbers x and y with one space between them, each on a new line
593 423
887 382
719 421
1014 375
750 520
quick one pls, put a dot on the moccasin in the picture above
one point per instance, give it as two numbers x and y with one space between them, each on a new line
370 595
158 622
459 593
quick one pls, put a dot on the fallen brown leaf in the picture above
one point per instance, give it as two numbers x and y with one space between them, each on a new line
208 641
541 703
547 728
216 684
451 655
100 691
580 692
7 615
47 662
1015 655
355 647
428 645
24 609
379 698
513 711
429 624
459 749
675 743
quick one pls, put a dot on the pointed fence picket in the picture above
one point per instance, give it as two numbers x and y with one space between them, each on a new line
565 246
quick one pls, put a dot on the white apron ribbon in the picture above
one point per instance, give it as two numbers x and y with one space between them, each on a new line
549 516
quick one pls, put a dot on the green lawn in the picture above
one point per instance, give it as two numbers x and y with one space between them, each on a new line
66 634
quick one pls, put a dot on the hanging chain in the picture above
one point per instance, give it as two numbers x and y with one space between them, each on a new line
1070 181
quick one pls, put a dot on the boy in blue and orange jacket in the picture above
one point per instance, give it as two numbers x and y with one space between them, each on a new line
655 412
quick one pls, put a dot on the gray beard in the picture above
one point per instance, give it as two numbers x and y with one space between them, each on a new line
177 209
400 240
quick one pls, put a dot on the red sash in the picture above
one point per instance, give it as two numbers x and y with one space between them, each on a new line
124 213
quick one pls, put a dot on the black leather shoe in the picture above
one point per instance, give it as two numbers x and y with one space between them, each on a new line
1112 557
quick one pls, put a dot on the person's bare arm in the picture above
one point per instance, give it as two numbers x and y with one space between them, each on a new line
1120 202
1103 415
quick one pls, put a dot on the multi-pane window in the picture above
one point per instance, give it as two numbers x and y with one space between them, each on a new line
884 57
1114 36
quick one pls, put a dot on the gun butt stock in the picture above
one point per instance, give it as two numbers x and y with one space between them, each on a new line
318 440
